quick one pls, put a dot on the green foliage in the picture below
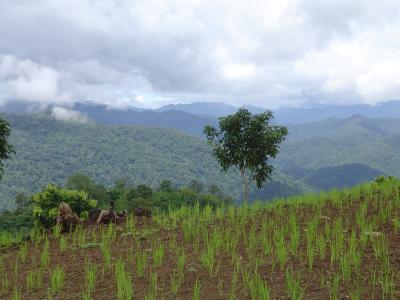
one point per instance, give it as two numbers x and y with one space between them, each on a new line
82 182
247 142
45 204
50 151
20 219
164 198
5 148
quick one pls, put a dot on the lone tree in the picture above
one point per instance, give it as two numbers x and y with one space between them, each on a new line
247 142
5 148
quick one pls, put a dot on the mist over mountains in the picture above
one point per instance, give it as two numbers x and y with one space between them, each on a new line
191 118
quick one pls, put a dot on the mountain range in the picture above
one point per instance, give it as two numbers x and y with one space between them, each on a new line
192 117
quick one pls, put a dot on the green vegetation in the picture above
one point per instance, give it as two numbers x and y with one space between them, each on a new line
45 204
247 142
319 156
333 245
82 194
50 151
5 148
359 147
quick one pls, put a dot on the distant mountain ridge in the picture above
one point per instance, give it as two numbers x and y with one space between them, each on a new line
216 109
389 109
201 113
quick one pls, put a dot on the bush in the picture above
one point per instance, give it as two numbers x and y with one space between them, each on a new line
45 204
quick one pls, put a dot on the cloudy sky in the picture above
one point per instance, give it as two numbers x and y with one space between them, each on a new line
147 53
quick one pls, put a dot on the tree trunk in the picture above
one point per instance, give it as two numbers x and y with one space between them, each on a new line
245 187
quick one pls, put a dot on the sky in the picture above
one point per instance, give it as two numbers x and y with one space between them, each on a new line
148 53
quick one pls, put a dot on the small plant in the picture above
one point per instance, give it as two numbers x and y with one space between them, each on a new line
45 256
207 258
293 286
23 251
141 260
57 279
258 288
34 280
105 250
124 282
4 282
196 290
281 251
63 244
16 294
152 292
334 287
90 278
57 231
175 283
181 263
158 256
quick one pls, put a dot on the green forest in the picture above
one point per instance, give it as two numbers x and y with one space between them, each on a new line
317 156
49 151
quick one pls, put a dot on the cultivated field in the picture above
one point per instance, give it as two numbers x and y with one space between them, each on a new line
336 245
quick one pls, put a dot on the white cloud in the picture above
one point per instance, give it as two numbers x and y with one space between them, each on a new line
150 52
67 115
26 80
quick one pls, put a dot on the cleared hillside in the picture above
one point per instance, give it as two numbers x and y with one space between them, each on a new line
337 245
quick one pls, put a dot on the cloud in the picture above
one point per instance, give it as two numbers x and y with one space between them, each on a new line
67 115
152 52
26 80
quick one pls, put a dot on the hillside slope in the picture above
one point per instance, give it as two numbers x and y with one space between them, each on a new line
338 245
319 156
51 151
338 142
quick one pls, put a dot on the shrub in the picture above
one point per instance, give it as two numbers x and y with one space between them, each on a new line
45 204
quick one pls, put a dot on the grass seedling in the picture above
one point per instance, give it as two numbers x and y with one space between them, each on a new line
4 282
16 293
181 263
281 252
258 287
90 278
293 286
334 287
141 259
175 283
207 259
45 257
158 256
196 290
57 231
57 279
152 292
63 244
34 279
124 282
23 251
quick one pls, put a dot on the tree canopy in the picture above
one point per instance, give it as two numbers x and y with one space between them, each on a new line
5 148
247 142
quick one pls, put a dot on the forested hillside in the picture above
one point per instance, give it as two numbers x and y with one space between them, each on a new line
49 151
343 142
316 156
